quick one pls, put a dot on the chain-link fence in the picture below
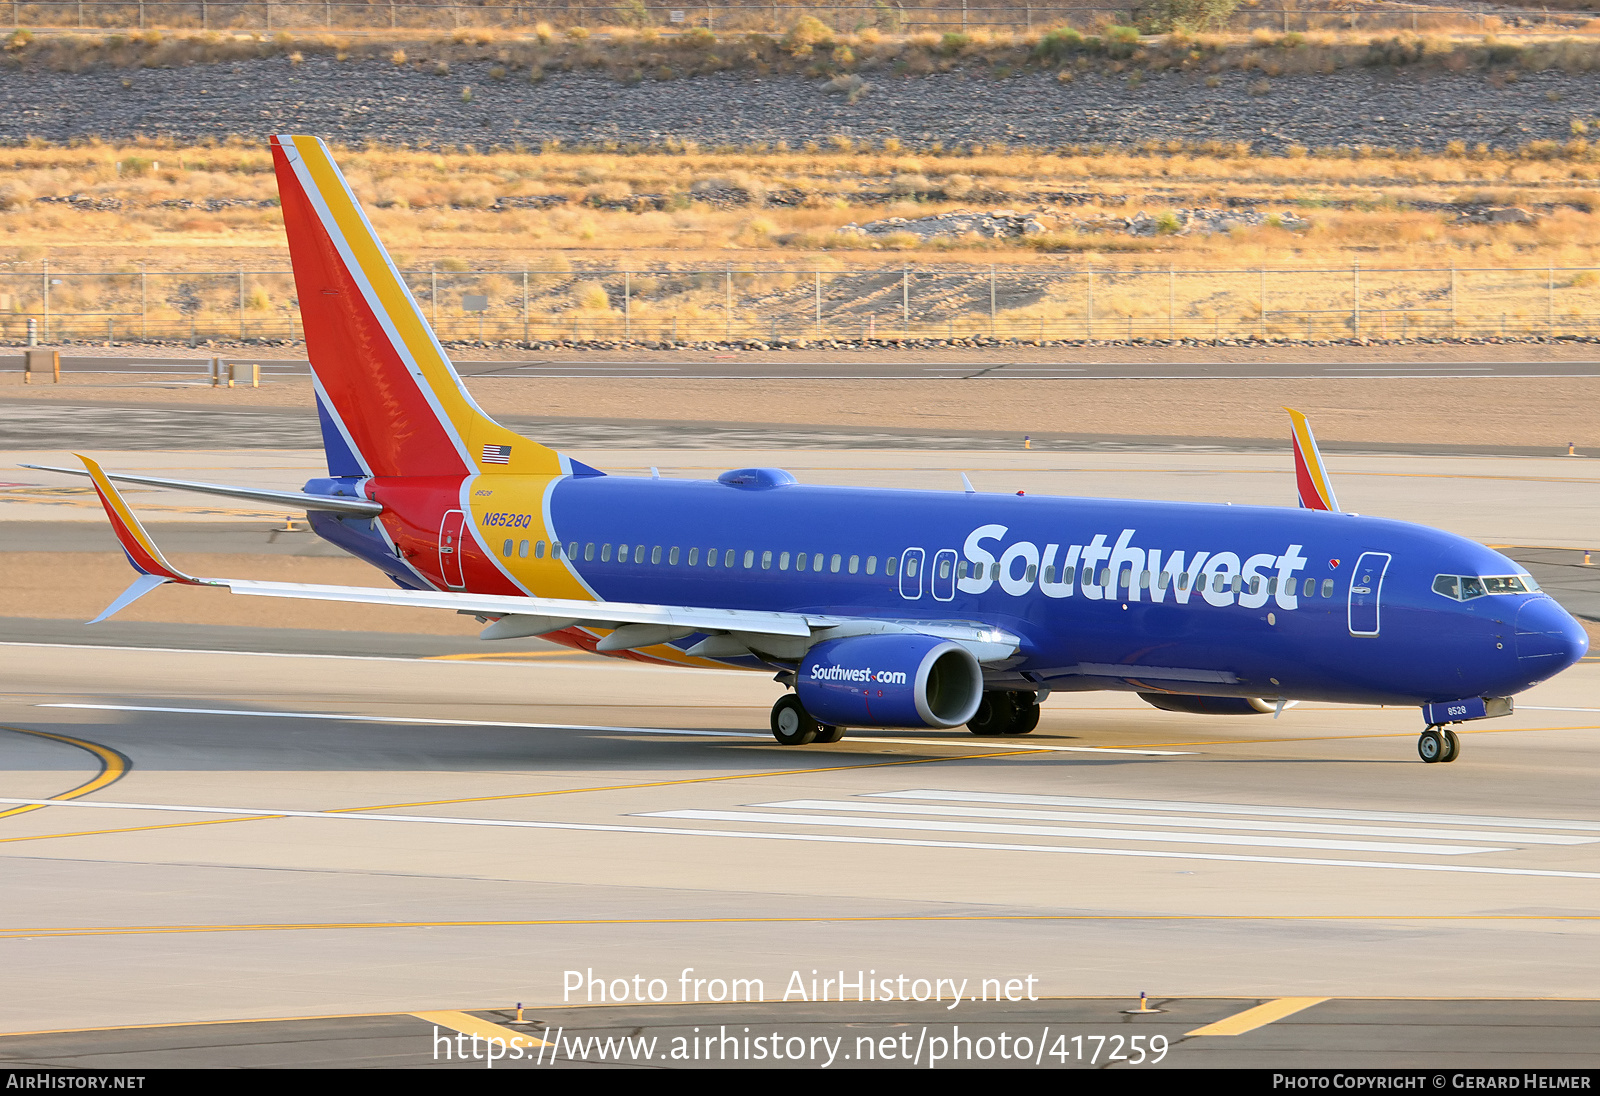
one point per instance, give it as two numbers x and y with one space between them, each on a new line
953 15
697 305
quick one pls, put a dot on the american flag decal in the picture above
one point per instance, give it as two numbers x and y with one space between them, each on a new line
497 454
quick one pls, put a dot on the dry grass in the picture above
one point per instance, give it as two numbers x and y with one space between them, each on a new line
779 210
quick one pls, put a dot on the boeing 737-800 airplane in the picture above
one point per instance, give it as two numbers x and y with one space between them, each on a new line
874 608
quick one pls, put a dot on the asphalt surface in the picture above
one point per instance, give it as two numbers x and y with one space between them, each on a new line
799 365
1543 1036
145 426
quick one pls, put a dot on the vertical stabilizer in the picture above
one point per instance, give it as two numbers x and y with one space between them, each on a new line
391 403
1310 475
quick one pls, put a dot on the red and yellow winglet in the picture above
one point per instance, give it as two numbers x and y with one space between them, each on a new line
1310 475
153 568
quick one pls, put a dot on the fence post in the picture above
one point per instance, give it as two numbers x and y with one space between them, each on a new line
727 302
1550 301
1091 304
144 298
1452 300
433 292
241 304
627 305
47 300
1262 325
1355 307
1172 303
994 328
905 301
817 281
524 306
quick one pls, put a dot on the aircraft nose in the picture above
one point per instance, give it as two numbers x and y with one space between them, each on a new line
1548 638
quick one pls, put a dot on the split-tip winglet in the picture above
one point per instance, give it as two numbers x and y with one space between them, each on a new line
1310 474
146 558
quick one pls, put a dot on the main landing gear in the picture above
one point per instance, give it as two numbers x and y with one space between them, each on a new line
792 725
1438 744
1005 713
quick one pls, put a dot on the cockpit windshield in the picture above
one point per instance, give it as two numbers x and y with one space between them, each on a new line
1467 587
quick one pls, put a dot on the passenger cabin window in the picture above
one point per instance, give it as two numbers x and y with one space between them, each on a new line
1327 587
523 549
749 559
833 565
506 551
672 556
1310 589
538 549
800 561
638 553
572 549
605 553
891 564
855 565
783 561
816 562
694 556
622 553
872 565
766 561
655 554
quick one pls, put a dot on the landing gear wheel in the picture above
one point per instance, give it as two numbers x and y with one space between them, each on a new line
828 733
1431 746
996 715
792 725
1452 745
1027 713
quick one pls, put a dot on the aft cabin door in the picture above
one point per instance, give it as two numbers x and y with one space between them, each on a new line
1366 584
452 531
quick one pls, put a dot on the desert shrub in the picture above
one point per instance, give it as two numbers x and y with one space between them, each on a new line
1059 44
1162 16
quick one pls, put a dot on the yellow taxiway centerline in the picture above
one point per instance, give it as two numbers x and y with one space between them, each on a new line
468 1024
113 766
1260 1016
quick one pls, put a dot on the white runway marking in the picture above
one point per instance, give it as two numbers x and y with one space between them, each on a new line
1252 825
1239 808
1093 834
353 718
821 838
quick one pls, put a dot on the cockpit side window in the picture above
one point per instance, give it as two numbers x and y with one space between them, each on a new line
1471 587
1449 586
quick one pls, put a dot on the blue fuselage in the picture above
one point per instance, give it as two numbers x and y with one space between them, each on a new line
1147 596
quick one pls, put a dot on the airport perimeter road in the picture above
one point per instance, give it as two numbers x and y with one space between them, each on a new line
1020 363
287 836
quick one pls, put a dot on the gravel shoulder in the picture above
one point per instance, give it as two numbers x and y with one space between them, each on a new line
360 100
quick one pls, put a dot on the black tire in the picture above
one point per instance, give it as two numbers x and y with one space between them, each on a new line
1431 746
1027 714
792 725
996 715
1452 746
826 732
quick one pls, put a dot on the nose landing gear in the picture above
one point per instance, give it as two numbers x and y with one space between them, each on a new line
1438 744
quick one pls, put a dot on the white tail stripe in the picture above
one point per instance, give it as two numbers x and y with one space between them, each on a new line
359 275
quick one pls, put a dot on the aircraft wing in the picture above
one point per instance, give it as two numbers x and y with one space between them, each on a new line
633 625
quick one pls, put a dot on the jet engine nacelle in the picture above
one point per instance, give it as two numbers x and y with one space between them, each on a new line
1212 705
895 680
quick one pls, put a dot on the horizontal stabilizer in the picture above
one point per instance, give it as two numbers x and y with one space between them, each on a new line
299 499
